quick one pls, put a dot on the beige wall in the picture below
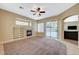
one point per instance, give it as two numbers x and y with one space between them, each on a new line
7 24
74 10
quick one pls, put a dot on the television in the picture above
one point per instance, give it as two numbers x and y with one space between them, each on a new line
72 27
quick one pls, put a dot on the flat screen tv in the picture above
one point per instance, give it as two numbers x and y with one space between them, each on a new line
72 27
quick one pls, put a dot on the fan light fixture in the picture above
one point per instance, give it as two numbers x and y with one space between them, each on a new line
37 11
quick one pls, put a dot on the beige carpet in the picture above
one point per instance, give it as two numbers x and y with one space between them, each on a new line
35 46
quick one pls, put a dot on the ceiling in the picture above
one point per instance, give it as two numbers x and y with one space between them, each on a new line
52 9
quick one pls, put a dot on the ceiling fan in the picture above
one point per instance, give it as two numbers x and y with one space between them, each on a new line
38 11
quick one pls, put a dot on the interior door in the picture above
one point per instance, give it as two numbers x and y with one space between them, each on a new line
51 29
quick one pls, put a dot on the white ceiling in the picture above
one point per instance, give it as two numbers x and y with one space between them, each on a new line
52 9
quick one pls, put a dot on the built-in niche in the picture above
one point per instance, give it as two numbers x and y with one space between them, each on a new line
71 29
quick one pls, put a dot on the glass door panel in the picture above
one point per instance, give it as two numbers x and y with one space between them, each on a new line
51 29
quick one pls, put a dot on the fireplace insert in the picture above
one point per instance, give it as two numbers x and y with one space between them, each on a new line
29 33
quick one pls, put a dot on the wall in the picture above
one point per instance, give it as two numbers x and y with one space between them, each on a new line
7 24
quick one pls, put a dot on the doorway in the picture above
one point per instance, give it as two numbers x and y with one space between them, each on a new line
51 29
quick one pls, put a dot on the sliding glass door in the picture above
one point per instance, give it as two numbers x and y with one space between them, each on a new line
51 29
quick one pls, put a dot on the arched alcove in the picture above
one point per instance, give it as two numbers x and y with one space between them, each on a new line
71 29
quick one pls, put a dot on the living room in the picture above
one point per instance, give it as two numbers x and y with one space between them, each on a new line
19 24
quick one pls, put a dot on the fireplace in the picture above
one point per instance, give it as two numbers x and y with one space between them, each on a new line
29 33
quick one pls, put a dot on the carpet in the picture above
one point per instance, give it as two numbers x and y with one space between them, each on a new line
35 46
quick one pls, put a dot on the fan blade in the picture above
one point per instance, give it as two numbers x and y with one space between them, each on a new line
42 11
32 11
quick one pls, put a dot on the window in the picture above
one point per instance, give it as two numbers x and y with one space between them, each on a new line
40 27
21 23
71 18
